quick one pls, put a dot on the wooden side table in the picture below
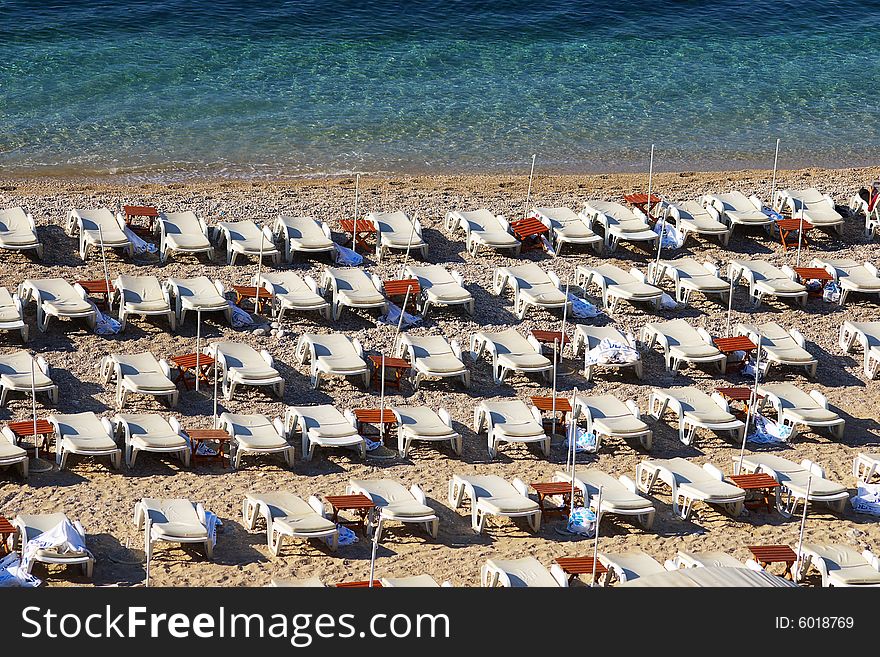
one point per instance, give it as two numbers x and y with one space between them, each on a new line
365 584
548 489
365 229
736 343
6 531
789 227
186 365
102 289
249 292
148 212
25 429
397 288
549 337
545 405
396 366
813 274
761 482
359 503
383 419
640 201
742 394
575 566
197 436
528 231
767 554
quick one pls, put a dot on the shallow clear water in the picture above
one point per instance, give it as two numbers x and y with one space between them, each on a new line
168 88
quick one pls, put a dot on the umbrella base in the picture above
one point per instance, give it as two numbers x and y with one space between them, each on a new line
38 464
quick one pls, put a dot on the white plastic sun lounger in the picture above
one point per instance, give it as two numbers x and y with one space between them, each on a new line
84 434
628 566
395 503
811 204
690 483
241 365
18 232
865 466
531 286
616 284
245 238
620 224
482 228
432 356
332 354
322 425
691 217
441 287
840 565
779 346
290 292
183 232
172 521
142 295
198 294
287 514
619 496
852 276
695 410
690 276
510 422
567 227
11 454
257 435
30 526
491 495
352 288
413 581
710 577
150 432
97 226
867 335
308 583
423 423
765 279
140 374
304 235
794 408
510 352
521 573
738 210
682 343
397 231
589 337
15 376
793 479
55 297
12 314
711 559
607 416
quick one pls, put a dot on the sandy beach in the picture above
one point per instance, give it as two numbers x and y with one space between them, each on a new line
103 499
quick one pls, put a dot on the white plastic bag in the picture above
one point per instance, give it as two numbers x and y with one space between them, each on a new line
212 522
768 432
667 302
582 521
240 317
12 574
104 324
345 256
749 369
831 293
867 499
346 536
548 247
581 308
583 442
393 317
609 351
672 238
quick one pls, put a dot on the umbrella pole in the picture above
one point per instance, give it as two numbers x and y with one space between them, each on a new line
662 226
729 307
753 400
357 187
36 464
553 399
650 180
797 569
104 260
375 547
529 192
257 280
412 232
572 439
797 262
215 388
596 537
773 184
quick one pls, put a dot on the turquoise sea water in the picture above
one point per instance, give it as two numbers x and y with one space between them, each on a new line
171 88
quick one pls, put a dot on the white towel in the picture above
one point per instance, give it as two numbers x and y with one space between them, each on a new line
240 317
581 308
867 500
64 537
393 317
138 245
609 351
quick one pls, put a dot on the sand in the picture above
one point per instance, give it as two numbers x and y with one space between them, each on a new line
103 499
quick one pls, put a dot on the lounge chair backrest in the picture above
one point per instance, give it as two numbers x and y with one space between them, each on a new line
239 354
39 523
133 364
509 411
137 289
79 424
511 341
302 227
736 201
492 486
181 223
351 279
319 415
331 344
481 220
384 491
242 230
93 218
147 423
171 511
286 282
428 345
248 425
393 222
18 362
806 197
614 210
12 219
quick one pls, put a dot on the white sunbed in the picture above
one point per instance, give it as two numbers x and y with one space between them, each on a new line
531 286
396 503
620 224
589 338
308 582
482 228
690 483
322 425
567 227
811 204
11 454
18 232
332 354
629 566
433 356
172 521
397 231
840 565
142 295
780 346
616 284
526 572
304 235
423 423
287 514
695 410
352 288
607 416
682 343
865 466
20 372
619 496
440 287
242 365
710 577
510 422
247 239
738 210
510 352
690 276
96 227
12 314
290 292
794 407
867 335
55 297
691 217
140 374
29 526
256 434
711 559
851 276
859 203
765 279
413 581
199 294
183 232
491 495
794 479
150 432
84 434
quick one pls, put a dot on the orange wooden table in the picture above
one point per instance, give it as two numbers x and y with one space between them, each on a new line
761 482
6 530
186 364
736 343
767 554
545 405
365 229
551 488
640 201
789 227
25 429
396 289
383 419
397 366
742 394
528 231
813 274
98 287
549 337
197 436
248 292
574 566
365 584
359 503
148 212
